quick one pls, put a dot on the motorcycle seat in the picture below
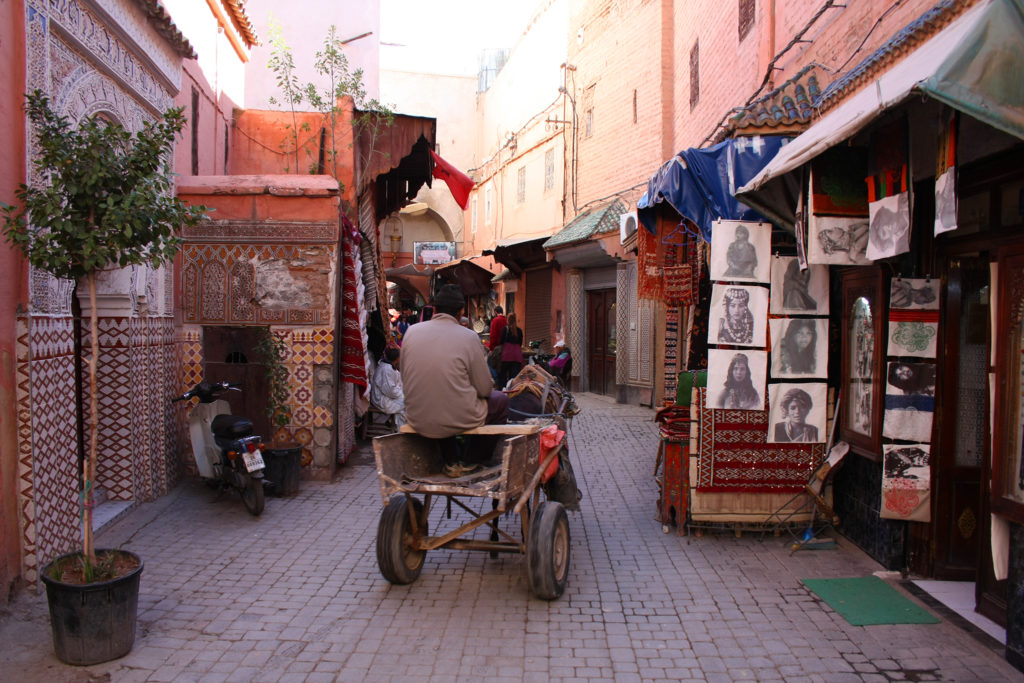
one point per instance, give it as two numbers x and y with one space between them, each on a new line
231 426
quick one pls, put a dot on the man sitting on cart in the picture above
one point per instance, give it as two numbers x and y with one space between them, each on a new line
448 386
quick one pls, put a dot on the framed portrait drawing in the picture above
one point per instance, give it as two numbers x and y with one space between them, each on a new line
1008 435
839 240
739 315
799 347
798 292
741 251
736 379
797 413
862 386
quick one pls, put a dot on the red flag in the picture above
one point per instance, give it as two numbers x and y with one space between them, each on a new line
458 182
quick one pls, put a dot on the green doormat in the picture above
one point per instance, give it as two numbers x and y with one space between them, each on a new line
869 600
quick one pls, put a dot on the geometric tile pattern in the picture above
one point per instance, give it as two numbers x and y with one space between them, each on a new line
306 349
139 357
220 284
627 366
576 323
48 462
139 434
192 358
119 370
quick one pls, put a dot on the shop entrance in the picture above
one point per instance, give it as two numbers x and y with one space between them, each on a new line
601 335
229 355
961 439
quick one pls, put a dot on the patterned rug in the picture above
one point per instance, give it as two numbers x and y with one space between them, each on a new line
734 454
353 346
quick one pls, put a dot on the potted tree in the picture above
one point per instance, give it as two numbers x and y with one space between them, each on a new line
284 457
104 200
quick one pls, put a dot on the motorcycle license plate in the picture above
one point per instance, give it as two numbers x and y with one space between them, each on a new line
253 461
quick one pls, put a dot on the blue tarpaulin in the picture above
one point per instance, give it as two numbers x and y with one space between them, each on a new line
700 184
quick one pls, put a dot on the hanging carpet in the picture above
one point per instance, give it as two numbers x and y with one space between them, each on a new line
734 454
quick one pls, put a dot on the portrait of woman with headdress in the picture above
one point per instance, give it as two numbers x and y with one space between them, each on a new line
736 326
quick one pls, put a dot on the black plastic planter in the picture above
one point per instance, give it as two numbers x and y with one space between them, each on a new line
283 467
93 622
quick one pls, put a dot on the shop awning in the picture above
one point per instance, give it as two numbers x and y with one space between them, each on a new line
577 245
504 276
974 65
519 254
411 278
472 278
700 183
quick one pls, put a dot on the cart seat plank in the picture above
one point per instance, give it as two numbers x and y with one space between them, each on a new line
489 429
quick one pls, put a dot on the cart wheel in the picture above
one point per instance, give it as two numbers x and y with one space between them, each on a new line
547 551
398 561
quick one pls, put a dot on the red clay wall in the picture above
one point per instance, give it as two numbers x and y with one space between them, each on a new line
268 257
263 144
12 172
618 55
732 70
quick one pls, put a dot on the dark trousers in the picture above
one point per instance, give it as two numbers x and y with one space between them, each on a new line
509 369
478 448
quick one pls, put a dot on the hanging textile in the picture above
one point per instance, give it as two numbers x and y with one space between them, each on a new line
649 280
734 455
353 360
913 317
888 192
671 349
906 482
698 335
945 174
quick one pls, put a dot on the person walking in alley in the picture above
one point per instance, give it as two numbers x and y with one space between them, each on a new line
448 387
498 323
511 351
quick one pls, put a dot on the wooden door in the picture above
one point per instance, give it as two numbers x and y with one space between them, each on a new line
229 355
601 341
962 429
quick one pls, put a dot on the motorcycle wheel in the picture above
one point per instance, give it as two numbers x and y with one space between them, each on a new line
252 496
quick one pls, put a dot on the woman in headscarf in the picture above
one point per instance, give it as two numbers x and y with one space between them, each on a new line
795 286
740 393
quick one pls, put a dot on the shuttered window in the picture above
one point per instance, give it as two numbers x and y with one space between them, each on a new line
538 307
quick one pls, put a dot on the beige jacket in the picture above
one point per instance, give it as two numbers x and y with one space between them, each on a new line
445 377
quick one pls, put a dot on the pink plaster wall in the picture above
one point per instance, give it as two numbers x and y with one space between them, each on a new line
262 144
12 172
212 122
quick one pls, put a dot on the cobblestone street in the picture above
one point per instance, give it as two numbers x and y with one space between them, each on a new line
295 595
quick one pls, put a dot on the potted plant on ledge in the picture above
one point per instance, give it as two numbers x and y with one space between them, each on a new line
284 458
104 200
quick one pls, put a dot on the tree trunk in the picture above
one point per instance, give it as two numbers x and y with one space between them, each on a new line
89 464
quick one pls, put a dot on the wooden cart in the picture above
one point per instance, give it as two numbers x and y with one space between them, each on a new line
409 465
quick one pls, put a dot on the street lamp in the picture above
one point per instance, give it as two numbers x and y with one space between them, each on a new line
393 231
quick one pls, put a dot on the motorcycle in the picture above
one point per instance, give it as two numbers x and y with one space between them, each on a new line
227 453
536 356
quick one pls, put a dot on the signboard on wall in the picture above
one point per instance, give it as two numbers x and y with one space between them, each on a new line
433 253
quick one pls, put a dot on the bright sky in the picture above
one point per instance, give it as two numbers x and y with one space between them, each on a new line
447 36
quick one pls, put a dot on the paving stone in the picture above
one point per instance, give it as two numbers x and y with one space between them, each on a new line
640 605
